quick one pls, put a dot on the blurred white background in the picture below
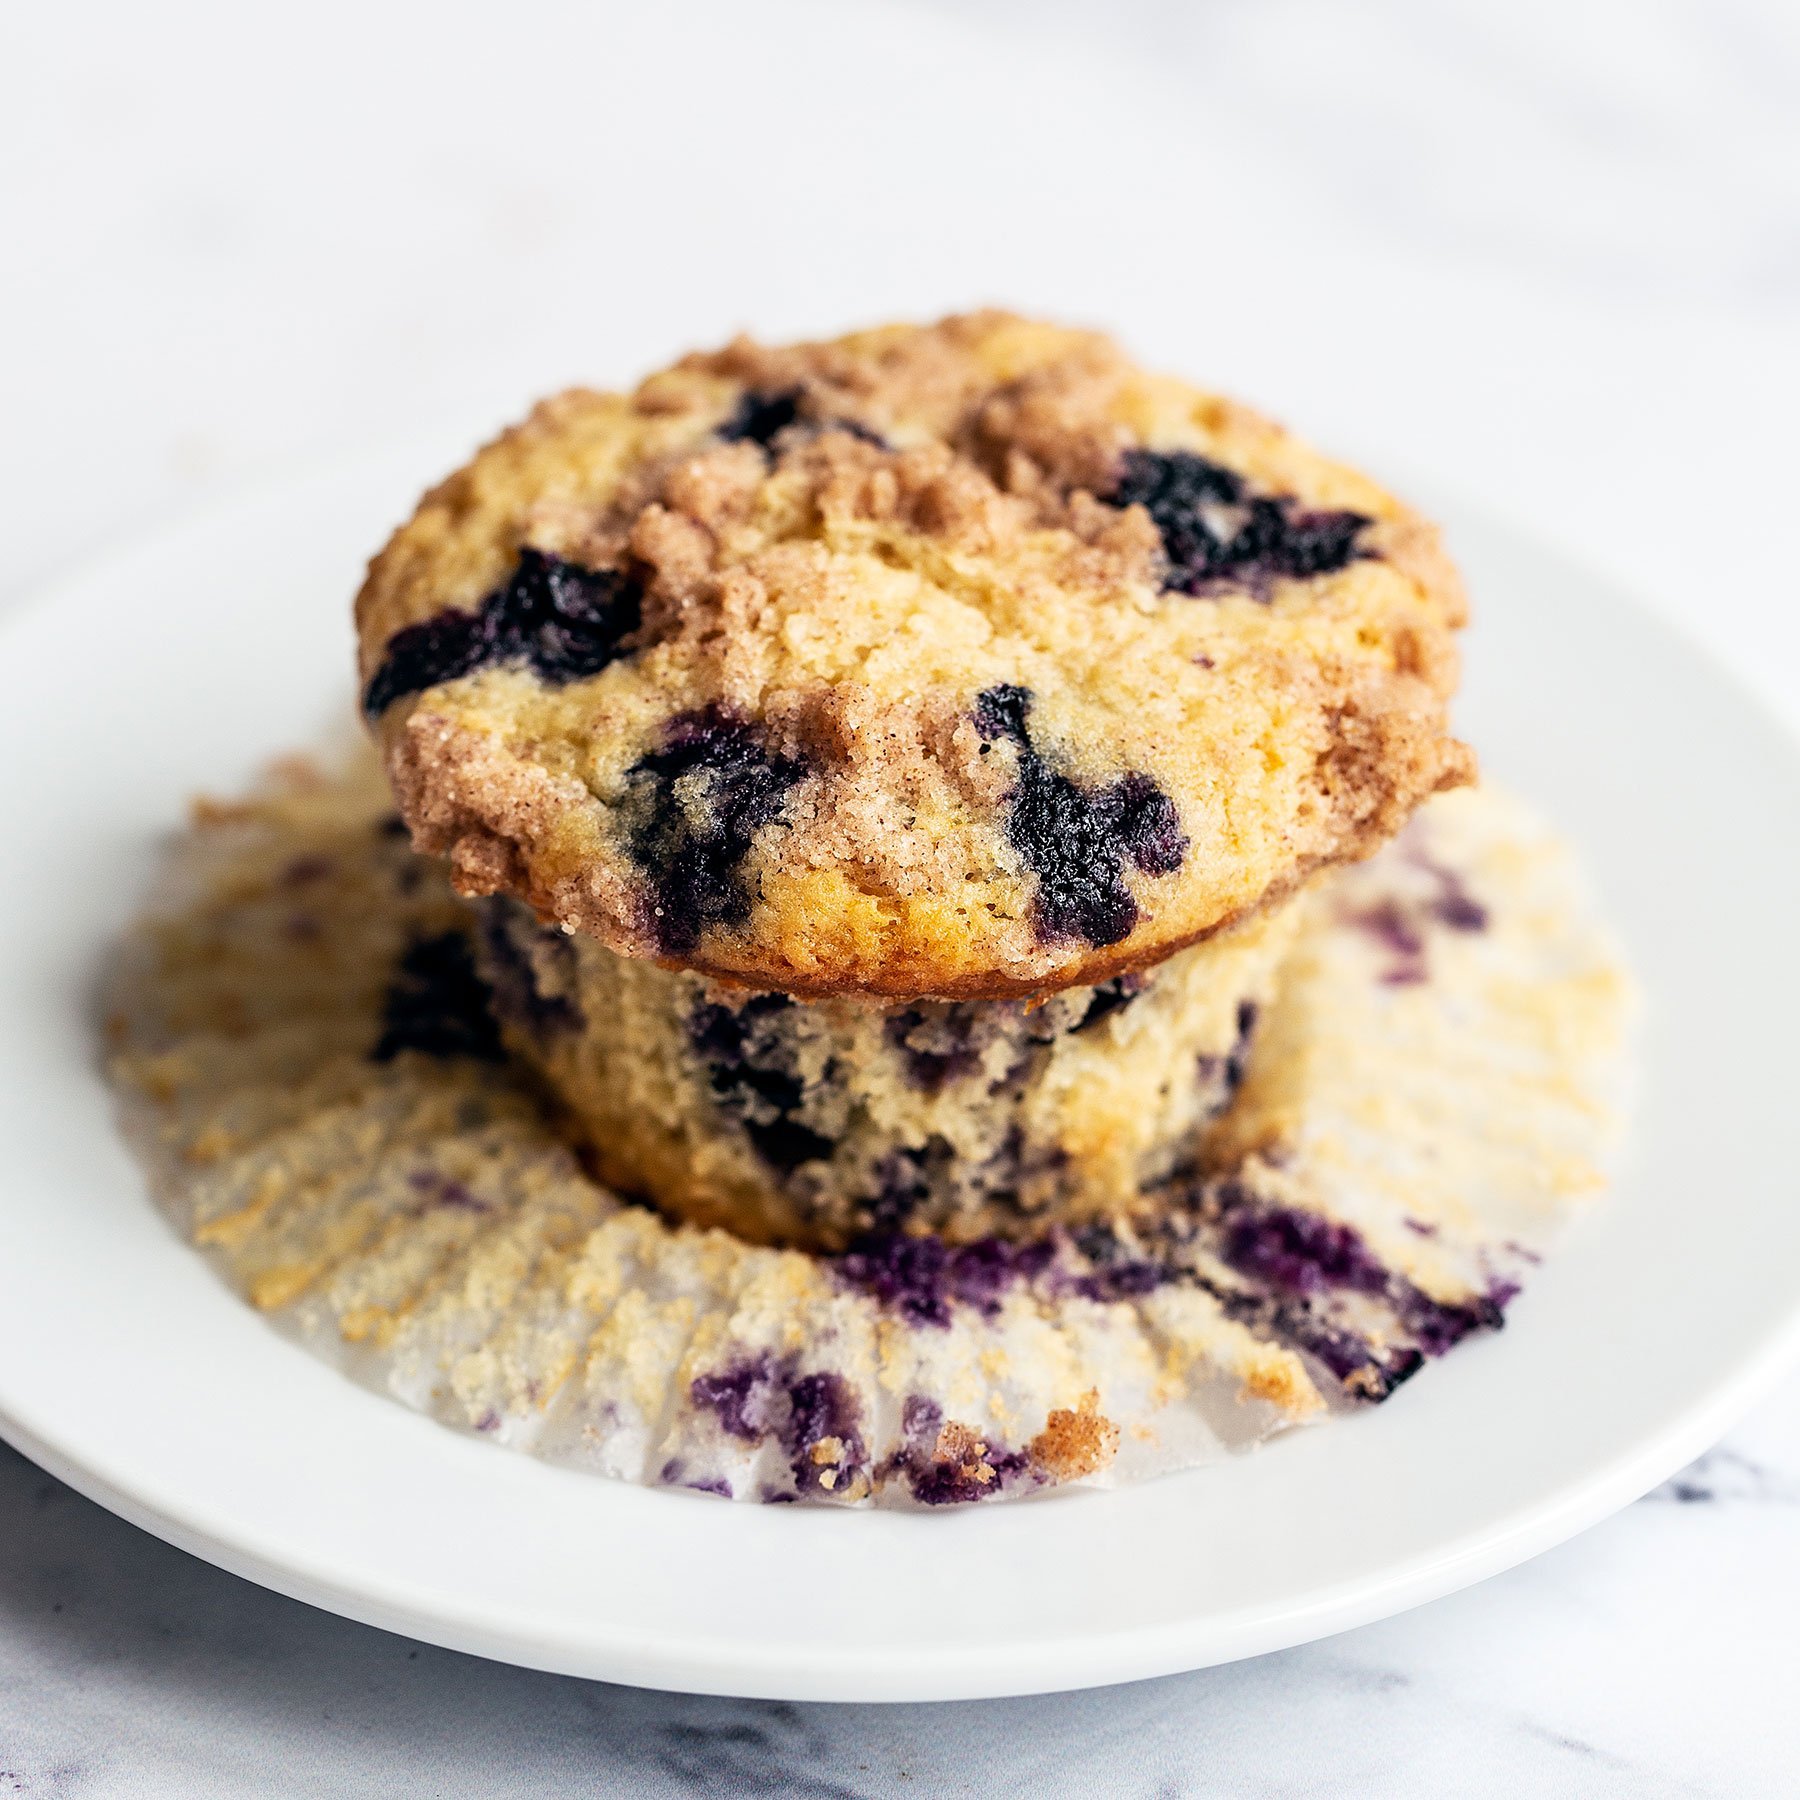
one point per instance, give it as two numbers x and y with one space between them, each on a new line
1545 253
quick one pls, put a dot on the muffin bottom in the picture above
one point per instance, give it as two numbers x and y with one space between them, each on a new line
815 1124
306 1061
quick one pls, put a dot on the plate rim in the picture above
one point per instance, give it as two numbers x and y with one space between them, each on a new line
914 1673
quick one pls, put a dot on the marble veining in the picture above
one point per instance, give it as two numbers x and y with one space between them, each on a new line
1725 1475
129 1668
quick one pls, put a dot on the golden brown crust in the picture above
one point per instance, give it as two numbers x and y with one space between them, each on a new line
935 526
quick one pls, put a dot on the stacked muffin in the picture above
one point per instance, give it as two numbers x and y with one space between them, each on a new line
891 768
953 989
893 762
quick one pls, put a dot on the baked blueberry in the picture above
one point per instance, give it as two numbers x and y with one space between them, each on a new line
1077 841
1214 531
841 555
692 808
560 620
437 1004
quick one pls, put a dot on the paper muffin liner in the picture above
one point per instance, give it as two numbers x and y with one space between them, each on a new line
306 1056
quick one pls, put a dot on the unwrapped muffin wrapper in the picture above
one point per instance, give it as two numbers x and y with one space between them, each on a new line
304 1056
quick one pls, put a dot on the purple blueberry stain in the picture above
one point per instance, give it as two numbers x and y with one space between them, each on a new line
923 1278
959 1471
303 871
1306 1257
1395 928
1453 904
1297 1278
1402 924
823 1413
1438 1326
692 808
1217 534
1077 841
1115 1271
1300 1252
903 1273
816 1417
1456 908
436 1004
1225 1074
562 621
440 1193
743 1398
674 1473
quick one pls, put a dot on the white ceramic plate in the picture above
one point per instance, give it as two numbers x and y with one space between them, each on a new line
127 1369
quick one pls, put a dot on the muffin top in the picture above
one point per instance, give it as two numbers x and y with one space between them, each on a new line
959 660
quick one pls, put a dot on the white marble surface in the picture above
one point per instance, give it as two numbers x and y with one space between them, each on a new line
1550 253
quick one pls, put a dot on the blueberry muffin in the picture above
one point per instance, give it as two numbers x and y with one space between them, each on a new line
306 1062
965 661
817 1123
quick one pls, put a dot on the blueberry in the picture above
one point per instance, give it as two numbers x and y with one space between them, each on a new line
938 1047
516 995
436 1004
1108 998
1246 540
749 1068
759 418
1075 840
562 621
1139 817
692 808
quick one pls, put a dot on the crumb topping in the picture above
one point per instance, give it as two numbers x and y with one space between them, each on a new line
844 547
